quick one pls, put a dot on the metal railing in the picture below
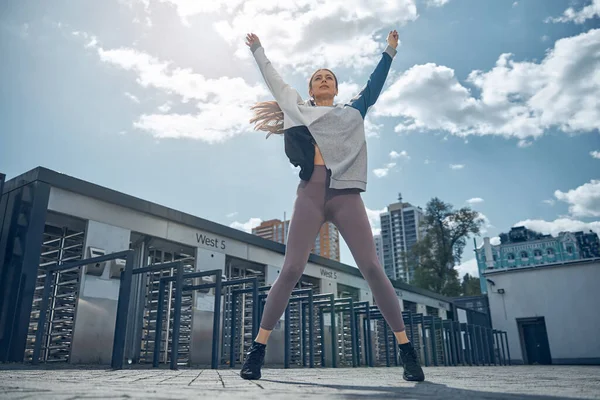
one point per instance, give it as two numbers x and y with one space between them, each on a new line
461 343
122 305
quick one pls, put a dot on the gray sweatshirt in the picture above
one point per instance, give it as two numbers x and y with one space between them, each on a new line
338 130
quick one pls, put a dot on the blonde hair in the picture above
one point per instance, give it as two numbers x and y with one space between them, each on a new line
268 116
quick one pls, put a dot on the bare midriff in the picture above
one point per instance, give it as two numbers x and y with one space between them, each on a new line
318 157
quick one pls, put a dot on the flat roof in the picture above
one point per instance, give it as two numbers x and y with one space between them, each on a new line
567 263
88 189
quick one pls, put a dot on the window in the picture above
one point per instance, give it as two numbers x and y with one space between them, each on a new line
537 253
510 256
524 255
570 249
550 252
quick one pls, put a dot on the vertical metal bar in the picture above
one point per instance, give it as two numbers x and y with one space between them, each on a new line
122 311
255 308
303 332
311 339
287 337
353 334
42 318
369 343
232 333
480 344
425 347
158 326
468 346
459 343
364 327
322 327
507 348
216 323
486 347
476 345
177 317
433 333
502 346
387 345
358 332
333 333
395 342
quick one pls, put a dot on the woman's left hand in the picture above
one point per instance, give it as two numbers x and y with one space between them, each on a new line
392 38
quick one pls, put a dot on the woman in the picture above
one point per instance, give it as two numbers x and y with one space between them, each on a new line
327 141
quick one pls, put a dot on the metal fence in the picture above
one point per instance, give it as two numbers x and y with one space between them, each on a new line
316 326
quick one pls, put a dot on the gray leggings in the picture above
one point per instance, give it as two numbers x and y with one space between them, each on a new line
315 204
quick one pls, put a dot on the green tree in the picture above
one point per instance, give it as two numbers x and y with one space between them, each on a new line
470 286
435 255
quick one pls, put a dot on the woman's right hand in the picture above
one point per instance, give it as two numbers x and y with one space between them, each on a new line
251 39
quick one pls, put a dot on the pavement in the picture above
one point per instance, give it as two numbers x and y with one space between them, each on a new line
490 383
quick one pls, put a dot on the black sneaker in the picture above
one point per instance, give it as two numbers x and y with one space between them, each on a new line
254 361
410 361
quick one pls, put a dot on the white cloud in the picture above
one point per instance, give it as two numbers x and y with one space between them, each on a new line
583 201
518 99
381 172
132 97
306 34
222 104
395 155
516 3
475 200
591 10
595 154
165 107
436 3
559 225
486 223
468 267
374 219
246 226
550 202
232 214
524 143
495 240
457 166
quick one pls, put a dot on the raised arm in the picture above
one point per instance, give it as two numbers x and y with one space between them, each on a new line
369 94
285 95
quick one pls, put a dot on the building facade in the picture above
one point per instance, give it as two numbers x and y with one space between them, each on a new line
547 311
378 247
327 242
48 219
400 230
522 247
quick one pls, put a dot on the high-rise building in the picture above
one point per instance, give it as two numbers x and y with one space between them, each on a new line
327 242
400 230
379 247
522 247
273 229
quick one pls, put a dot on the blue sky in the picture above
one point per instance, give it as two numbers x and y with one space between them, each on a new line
493 104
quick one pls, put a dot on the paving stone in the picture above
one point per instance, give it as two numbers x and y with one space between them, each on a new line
449 383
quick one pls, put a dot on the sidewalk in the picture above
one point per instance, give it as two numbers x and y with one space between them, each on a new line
512 382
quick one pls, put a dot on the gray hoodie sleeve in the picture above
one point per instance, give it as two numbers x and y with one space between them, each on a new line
286 96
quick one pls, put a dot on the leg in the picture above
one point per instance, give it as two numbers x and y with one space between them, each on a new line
347 211
307 218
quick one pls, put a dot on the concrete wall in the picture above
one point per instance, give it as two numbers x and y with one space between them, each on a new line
566 296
